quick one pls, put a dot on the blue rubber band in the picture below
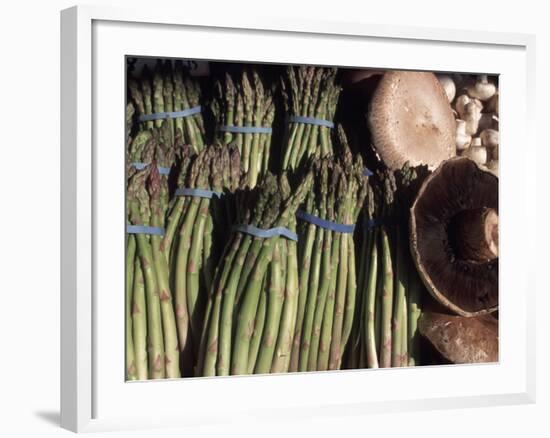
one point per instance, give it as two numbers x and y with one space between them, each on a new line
311 121
266 234
170 115
162 170
199 193
144 229
367 172
246 129
323 223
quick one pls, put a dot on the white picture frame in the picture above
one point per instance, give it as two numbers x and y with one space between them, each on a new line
94 396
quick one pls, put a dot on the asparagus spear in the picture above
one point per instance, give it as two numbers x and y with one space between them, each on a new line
168 94
259 322
329 254
131 371
147 92
139 323
305 292
370 303
158 92
140 214
387 301
210 338
274 307
164 293
342 277
398 310
281 361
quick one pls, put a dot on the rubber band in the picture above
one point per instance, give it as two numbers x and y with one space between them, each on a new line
246 129
323 223
311 121
199 193
266 234
162 170
171 114
367 172
144 229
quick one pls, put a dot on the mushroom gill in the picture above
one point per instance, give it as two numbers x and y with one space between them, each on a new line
454 236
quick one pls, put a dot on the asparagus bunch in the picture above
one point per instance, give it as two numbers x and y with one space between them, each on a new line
309 92
252 306
189 244
244 101
327 271
390 291
151 337
169 88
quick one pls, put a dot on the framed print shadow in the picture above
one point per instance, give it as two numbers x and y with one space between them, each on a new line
334 214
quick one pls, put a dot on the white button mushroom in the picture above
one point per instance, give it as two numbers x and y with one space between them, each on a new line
460 103
482 89
469 109
462 139
448 85
472 114
476 151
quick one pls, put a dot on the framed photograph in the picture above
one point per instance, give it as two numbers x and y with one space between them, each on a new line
254 208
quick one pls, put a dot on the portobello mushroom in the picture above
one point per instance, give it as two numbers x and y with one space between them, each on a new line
454 236
411 120
460 339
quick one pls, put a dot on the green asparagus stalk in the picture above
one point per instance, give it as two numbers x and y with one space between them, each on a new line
158 92
168 94
329 254
140 214
139 323
305 265
131 371
387 301
370 302
274 307
312 298
283 350
211 330
399 293
351 296
248 101
414 313
147 92
259 323
171 347
245 326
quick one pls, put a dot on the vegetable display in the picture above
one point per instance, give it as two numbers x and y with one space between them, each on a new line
260 240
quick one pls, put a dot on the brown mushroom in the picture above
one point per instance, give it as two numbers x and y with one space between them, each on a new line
460 339
454 236
411 120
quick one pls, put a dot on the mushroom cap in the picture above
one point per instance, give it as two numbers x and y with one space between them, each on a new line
461 339
411 120
465 286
